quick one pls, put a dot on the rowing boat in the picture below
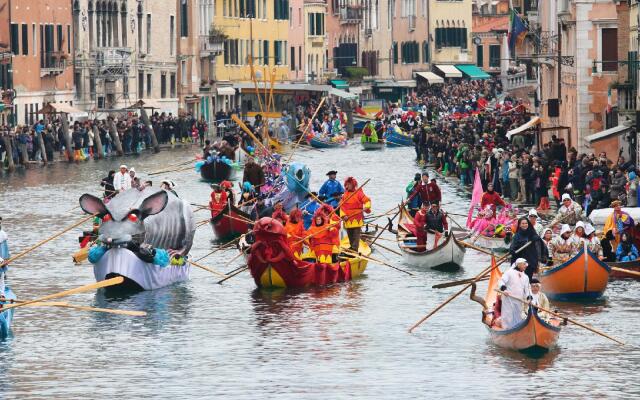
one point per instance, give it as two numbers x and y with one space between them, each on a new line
217 171
398 138
319 143
495 244
447 256
273 265
6 317
379 145
533 334
230 223
628 265
583 277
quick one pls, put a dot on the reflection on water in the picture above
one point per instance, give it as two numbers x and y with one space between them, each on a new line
201 339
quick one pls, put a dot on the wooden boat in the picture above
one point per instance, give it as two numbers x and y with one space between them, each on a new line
447 256
6 317
533 334
319 143
583 277
273 265
628 265
495 244
397 139
230 223
217 171
379 145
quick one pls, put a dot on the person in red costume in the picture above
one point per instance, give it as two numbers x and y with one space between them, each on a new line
420 222
295 232
218 200
428 190
279 214
354 202
327 211
320 237
491 198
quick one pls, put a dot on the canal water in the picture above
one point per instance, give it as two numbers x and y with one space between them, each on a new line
203 340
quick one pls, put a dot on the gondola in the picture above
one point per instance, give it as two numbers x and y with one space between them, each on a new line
495 244
398 139
583 277
6 317
217 171
533 334
628 265
273 265
230 223
379 145
319 143
447 256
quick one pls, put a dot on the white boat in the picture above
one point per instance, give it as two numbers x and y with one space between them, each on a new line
496 244
448 255
137 273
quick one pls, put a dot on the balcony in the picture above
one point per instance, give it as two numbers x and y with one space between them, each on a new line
112 60
627 100
516 81
53 63
412 23
211 45
350 15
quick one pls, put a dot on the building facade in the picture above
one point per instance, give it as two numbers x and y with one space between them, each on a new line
410 48
39 35
297 41
315 46
490 24
125 51
450 24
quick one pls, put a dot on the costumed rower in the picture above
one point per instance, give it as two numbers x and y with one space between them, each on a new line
121 180
515 283
413 200
420 223
563 246
335 220
331 190
538 299
321 238
569 213
219 200
295 232
533 220
4 255
369 133
491 198
618 222
354 201
437 222
308 208
534 253
279 214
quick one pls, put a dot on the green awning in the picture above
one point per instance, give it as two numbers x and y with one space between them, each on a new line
472 71
339 84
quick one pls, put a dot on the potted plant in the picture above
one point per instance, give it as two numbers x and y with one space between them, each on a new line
216 35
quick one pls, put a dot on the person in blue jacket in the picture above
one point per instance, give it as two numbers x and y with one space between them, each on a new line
626 251
308 208
331 190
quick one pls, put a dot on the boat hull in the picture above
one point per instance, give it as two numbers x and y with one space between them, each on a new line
398 140
583 277
372 146
497 245
148 276
6 317
323 144
628 265
217 172
531 334
229 224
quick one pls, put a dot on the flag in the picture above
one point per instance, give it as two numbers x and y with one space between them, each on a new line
476 196
609 106
517 31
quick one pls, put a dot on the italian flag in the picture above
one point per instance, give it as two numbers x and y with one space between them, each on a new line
609 106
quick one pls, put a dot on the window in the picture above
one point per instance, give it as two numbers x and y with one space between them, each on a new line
451 37
281 9
425 52
299 57
172 85
60 37
316 24
395 52
124 24
77 82
68 39
25 39
163 85
172 28
293 58
231 55
92 87
265 52
149 86
148 34
140 85
480 55
260 47
494 55
609 49
410 53
184 18
15 39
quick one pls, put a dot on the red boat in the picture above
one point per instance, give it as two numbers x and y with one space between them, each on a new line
230 223
273 265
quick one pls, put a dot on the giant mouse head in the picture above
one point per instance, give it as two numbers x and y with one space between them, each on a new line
120 223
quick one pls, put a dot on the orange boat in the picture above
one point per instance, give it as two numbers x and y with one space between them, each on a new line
533 334
583 277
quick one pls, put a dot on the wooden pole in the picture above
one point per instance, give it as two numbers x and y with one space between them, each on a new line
113 132
152 133
238 271
67 136
213 271
131 313
98 141
368 258
626 271
458 283
6 139
224 246
43 152
304 133
573 321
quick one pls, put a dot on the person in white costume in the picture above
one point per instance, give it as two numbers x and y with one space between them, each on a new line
515 283
122 180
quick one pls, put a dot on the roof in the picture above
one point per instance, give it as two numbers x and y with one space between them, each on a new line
430 77
342 94
494 24
147 103
283 86
55 108
527 125
449 71
339 84
472 71
616 130
407 84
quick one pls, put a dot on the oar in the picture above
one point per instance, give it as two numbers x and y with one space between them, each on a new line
35 246
238 271
573 321
400 208
172 171
84 308
108 282
213 271
458 283
626 271
368 258
221 247
467 286
388 249
476 248
304 133
162 171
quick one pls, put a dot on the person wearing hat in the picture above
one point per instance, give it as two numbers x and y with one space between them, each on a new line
354 202
135 181
308 207
534 253
121 180
420 223
413 200
569 213
618 222
107 184
533 220
564 246
253 173
168 186
515 283
538 299
579 233
331 190
593 243
219 200
491 198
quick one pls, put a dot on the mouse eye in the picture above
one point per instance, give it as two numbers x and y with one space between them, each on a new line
106 218
133 218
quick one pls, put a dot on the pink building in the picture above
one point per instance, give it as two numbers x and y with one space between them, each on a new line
297 41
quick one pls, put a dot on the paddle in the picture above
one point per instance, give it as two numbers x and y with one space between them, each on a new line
195 264
467 286
626 271
476 248
457 283
237 272
368 258
84 308
161 171
400 208
221 247
388 249
580 324
35 246
92 286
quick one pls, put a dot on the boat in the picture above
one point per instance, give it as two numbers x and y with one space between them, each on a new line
495 244
321 143
583 277
217 171
273 265
532 335
628 265
230 223
379 145
397 138
447 256
6 317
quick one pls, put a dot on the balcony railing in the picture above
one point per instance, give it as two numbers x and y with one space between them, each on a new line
412 22
211 46
627 101
53 63
517 80
350 15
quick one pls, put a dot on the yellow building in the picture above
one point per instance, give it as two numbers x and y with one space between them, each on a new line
450 24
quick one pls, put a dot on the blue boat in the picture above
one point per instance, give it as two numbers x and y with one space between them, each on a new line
6 316
324 144
397 139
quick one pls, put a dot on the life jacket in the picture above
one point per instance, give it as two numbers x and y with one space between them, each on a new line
352 206
218 202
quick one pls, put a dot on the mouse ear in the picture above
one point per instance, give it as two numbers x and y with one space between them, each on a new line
92 205
154 204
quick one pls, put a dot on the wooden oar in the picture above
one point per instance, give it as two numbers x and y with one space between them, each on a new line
573 321
168 167
108 282
304 133
237 272
467 286
195 264
35 246
625 271
458 283
60 304
388 249
368 258
476 248
221 247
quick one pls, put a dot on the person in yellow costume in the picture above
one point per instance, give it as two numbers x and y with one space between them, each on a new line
618 222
